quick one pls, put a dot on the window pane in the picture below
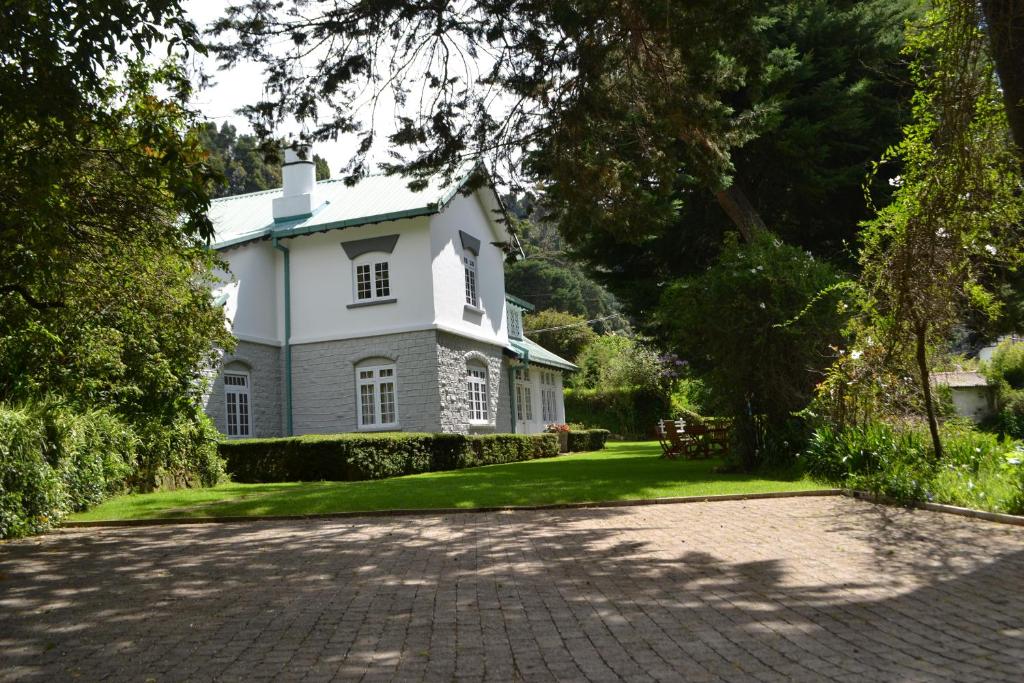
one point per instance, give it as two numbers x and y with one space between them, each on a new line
243 415
527 403
363 290
232 414
383 279
366 374
470 269
366 404
387 403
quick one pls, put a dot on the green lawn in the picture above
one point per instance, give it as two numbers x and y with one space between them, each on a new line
623 471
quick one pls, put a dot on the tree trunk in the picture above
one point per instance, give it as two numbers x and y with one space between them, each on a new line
739 209
921 332
1004 21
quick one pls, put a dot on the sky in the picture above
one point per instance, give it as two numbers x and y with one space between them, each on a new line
243 85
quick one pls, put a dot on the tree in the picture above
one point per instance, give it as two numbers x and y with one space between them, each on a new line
610 98
956 209
1004 24
563 333
246 164
103 199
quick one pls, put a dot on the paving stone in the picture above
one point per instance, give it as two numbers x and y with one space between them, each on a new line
785 589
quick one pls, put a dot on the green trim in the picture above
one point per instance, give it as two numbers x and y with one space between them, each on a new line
287 333
521 303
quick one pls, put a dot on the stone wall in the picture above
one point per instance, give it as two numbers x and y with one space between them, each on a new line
453 353
263 363
324 381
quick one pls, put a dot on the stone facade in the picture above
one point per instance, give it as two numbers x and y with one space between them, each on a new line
324 381
430 377
454 353
263 364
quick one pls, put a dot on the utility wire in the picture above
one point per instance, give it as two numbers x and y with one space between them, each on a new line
585 322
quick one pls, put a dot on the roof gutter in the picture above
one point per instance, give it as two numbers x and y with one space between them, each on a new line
287 332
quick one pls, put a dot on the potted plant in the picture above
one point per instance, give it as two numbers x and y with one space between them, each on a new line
562 430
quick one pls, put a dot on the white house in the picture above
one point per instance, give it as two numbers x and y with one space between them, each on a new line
973 396
374 308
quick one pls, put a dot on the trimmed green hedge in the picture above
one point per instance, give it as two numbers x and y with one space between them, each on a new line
587 440
356 457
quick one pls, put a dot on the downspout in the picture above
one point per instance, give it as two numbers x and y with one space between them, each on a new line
287 333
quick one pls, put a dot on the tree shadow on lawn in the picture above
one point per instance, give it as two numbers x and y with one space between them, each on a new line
537 482
872 593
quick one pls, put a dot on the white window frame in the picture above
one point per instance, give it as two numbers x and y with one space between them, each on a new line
375 262
233 402
524 395
471 278
376 383
549 396
477 394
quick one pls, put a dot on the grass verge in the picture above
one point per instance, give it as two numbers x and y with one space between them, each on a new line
624 471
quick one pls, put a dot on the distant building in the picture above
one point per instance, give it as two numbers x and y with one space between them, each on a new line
973 396
985 353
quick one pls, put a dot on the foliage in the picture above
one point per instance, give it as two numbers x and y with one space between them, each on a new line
1006 371
758 326
357 457
977 469
54 461
615 361
586 440
628 413
956 208
244 163
562 333
106 314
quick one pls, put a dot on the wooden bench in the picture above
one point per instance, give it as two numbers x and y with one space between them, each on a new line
694 439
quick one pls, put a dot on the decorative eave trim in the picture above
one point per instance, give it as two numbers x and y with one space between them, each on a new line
356 248
469 243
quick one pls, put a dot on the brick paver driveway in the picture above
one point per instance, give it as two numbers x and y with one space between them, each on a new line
803 588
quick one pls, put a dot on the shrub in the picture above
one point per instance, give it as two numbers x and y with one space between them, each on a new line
587 440
978 470
357 457
627 413
54 461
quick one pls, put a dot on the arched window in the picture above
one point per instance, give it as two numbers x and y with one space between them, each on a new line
476 386
238 404
377 395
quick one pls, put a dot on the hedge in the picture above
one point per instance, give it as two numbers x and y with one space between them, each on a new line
587 440
627 413
357 457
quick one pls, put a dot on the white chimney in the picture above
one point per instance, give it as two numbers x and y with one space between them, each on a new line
299 177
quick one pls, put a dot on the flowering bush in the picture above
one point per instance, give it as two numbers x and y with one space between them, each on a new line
555 428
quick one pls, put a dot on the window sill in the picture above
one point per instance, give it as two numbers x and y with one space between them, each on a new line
473 309
380 428
373 302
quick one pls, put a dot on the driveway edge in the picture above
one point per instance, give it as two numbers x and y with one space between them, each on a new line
448 511
999 517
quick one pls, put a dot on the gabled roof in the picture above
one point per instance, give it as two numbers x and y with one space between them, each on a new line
960 379
374 199
533 353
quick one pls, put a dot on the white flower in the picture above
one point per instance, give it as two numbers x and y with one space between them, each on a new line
941 233
856 354
762 305
990 249
896 182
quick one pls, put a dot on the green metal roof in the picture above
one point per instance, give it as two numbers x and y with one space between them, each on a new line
533 353
376 198
521 303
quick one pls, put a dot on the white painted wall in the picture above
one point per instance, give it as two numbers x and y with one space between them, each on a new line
975 403
252 305
322 283
466 213
426 279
